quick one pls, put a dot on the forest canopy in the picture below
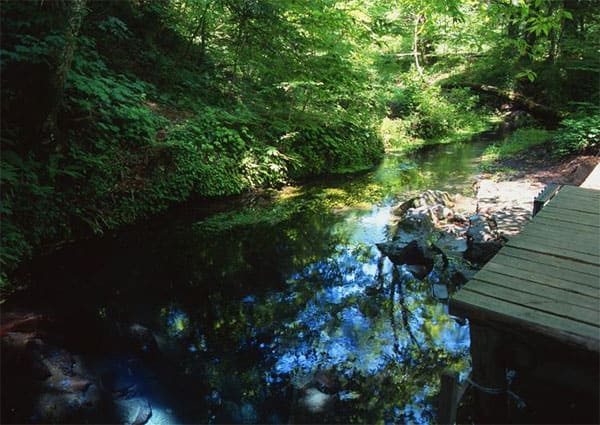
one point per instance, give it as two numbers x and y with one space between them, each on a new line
114 110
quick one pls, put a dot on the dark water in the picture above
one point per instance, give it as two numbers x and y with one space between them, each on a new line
267 313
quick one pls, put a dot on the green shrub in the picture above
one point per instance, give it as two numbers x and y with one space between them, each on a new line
580 134
335 149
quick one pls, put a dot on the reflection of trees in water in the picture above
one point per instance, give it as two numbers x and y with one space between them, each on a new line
384 347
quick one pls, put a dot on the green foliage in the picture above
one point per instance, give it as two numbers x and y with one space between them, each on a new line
170 99
421 113
578 134
326 150
516 143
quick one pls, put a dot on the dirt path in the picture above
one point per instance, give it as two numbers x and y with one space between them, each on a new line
507 196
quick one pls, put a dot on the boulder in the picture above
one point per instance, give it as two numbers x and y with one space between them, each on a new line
482 252
483 239
133 411
415 253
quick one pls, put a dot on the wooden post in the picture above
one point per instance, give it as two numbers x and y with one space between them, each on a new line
489 372
544 197
448 400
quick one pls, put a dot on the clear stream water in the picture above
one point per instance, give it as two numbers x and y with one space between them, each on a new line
267 312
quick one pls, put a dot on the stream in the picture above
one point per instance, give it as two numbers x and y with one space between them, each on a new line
275 311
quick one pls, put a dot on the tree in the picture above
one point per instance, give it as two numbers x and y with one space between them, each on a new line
75 11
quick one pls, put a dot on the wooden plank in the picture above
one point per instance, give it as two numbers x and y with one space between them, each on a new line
547 274
570 209
466 303
565 219
576 194
569 206
589 239
517 283
584 245
535 302
555 251
592 270
575 204
558 223
562 228
580 191
571 216
582 196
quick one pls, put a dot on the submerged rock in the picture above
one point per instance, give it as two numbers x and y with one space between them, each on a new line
133 411
316 402
43 382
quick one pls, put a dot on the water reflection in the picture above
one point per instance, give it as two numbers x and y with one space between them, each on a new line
348 330
283 312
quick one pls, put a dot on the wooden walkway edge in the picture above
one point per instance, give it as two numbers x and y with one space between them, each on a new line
545 282
547 278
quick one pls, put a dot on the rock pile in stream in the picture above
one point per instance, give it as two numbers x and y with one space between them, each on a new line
443 232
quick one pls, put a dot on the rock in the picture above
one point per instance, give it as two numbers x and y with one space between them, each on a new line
457 279
55 408
75 385
414 253
482 252
316 402
59 361
452 245
39 370
143 415
122 386
428 198
483 240
133 411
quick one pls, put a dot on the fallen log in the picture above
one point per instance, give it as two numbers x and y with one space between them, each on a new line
543 113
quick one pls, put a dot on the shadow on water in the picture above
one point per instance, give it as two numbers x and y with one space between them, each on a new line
276 312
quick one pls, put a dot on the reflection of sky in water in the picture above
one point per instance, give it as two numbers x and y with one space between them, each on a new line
344 331
369 228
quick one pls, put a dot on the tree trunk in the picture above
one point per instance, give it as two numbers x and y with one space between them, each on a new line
58 77
543 113
200 30
415 51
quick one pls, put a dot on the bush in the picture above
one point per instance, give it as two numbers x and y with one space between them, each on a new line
580 134
335 149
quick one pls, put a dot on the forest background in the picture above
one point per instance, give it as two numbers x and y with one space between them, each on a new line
114 110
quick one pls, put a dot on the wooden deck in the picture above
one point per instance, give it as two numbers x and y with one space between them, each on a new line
539 298
547 278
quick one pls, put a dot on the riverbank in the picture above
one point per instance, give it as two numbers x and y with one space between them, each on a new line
510 185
